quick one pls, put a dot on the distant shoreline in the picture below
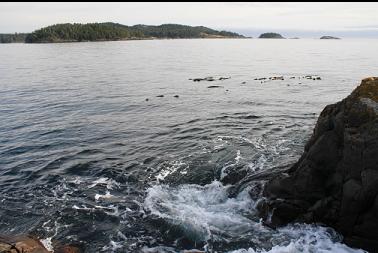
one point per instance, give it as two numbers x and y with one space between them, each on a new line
225 38
136 39
108 31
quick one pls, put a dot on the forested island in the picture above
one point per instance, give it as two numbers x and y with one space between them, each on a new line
329 38
13 38
271 36
114 31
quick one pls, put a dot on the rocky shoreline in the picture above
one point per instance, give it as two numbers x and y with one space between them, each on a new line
335 182
30 244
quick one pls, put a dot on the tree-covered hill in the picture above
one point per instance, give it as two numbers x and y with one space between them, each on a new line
13 38
182 31
271 36
113 31
81 32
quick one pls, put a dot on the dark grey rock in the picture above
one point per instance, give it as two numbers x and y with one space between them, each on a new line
335 181
209 79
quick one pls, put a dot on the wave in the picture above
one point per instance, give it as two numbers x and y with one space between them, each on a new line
207 216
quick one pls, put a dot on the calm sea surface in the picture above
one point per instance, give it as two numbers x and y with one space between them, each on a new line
90 155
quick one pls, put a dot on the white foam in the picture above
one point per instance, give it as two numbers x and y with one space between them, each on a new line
207 214
61 191
47 244
238 138
110 210
172 168
224 172
266 150
110 183
304 238
158 249
107 195
238 157
202 211
259 164
112 247
77 180
121 235
81 208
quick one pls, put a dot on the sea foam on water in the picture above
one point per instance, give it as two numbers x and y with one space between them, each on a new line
206 214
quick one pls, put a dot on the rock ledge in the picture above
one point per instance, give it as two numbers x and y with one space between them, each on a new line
335 182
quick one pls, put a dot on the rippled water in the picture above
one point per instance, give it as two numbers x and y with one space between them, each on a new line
86 159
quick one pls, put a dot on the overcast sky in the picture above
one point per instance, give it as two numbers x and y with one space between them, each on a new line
242 17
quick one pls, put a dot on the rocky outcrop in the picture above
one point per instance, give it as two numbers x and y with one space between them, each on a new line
29 244
335 181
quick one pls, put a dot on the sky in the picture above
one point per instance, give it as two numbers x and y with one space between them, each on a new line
251 19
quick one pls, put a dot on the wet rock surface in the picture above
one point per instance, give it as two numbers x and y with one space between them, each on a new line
21 244
30 244
335 181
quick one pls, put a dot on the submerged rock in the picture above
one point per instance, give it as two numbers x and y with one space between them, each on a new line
335 182
209 79
214 86
312 77
282 78
276 78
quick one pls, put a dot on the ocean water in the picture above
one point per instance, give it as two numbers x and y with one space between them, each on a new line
90 155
